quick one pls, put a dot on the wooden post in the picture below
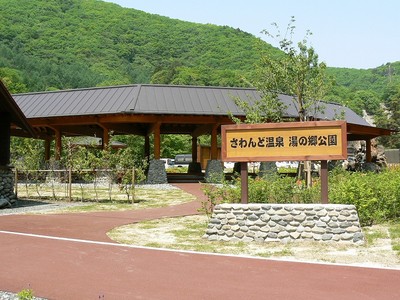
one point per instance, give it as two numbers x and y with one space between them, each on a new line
324 182
194 149
133 185
47 143
106 138
147 147
58 144
214 142
157 141
16 182
244 183
70 183
368 156
5 139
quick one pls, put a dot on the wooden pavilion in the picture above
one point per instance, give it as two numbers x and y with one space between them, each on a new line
145 110
12 122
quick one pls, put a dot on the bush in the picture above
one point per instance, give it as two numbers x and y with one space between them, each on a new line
375 195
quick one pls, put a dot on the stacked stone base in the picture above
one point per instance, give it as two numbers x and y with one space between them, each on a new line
157 173
7 195
285 223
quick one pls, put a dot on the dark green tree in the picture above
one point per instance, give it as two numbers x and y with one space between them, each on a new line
389 116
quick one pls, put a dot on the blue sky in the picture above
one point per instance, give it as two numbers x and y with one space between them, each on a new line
346 33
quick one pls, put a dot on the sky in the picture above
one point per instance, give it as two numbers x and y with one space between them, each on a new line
357 34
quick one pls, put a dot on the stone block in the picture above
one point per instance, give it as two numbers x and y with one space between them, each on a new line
326 237
283 234
295 235
239 234
265 217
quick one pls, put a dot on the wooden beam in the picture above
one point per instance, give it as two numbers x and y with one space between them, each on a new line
201 130
127 128
129 118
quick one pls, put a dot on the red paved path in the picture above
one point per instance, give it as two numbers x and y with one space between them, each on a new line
60 269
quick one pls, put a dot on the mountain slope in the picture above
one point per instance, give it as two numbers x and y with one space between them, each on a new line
62 44
52 41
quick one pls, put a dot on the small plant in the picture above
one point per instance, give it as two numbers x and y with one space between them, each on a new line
216 194
213 196
25 294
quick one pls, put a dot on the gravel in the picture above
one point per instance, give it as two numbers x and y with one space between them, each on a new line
28 206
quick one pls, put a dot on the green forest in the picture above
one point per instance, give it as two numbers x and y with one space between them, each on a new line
65 44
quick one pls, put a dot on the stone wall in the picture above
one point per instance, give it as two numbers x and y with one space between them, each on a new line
7 196
284 222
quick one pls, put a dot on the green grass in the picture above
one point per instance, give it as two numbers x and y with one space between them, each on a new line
144 198
372 235
394 231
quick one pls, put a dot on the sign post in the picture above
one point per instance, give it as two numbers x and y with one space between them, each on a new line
244 176
309 141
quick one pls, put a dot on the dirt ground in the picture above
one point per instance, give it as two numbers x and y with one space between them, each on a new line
174 234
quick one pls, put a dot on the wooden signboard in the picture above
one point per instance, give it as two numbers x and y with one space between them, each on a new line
319 140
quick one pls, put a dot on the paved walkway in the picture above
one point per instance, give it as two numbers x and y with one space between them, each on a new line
70 257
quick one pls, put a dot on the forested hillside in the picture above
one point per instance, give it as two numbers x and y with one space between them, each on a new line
63 44
59 44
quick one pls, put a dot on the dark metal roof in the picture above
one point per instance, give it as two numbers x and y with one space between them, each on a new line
8 105
157 99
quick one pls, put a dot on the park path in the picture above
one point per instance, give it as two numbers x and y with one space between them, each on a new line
70 257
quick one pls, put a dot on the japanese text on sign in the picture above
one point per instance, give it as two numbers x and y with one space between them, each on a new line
280 141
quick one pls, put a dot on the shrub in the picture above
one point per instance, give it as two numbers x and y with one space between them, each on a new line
375 195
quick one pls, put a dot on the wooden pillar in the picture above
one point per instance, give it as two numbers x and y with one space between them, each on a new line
368 156
324 182
214 142
157 141
106 138
47 143
147 147
5 139
58 144
244 176
194 149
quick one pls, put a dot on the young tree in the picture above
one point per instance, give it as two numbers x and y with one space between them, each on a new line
297 73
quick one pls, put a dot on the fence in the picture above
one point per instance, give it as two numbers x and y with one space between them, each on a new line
83 185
